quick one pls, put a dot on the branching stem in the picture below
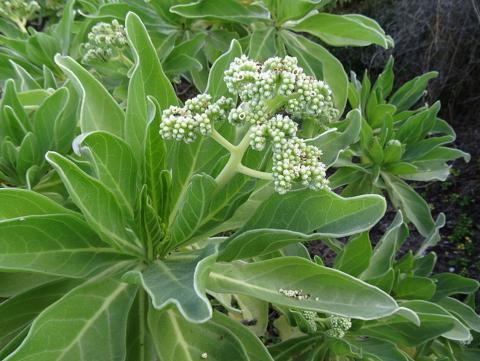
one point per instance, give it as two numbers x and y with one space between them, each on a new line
254 173
234 164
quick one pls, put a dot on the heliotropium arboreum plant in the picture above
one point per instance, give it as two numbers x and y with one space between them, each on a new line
272 96
19 11
105 41
152 249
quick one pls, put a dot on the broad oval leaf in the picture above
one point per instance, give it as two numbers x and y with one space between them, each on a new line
355 256
253 345
262 44
18 312
344 30
114 165
462 311
329 290
47 120
178 282
459 332
412 204
89 323
229 10
194 208
97 203
321 211
98 109
177 339
147 65
59 244
20 203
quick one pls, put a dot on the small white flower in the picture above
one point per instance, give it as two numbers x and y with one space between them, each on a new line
20 11
196 117
104 41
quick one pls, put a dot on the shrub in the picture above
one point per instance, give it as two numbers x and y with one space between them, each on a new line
174 230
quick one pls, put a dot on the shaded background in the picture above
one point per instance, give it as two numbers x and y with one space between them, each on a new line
441 35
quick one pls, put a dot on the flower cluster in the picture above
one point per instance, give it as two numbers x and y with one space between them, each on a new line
19 11
105 41
295 161
311 318
255 84
273 96
196 117
54 4
300 96
339 325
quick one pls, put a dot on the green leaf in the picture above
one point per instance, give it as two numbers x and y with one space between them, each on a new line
421 288
18 203
156 176
98 109
451 284
147 64
332 143
355 256
228 10
181 283
255 310
177 339
253 346
418 125
290 9
384 253
263 280
139 343
434 237
63 30
27 82
186 160
401 331
13 284
27 154
411 92
319 62
380 350
47 121
262 44
97 203
322 211
459 332
462 311
113 164
89 323
344 30
295 347
257 242
182 58
385 80
59 244
216 86
18 312
194 208
412 204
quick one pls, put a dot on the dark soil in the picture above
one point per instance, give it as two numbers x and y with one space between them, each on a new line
437 35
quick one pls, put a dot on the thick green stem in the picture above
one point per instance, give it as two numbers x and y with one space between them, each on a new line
235 160
142 324
222 141
254 173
